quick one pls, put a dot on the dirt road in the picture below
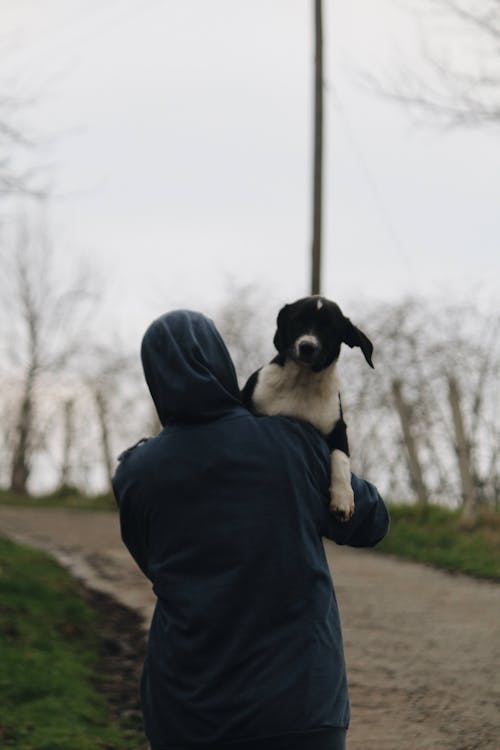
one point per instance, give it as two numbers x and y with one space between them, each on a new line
422 646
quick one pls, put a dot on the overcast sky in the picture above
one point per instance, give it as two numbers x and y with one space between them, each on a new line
181 152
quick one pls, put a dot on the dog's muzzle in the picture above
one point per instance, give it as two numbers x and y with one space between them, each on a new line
306 349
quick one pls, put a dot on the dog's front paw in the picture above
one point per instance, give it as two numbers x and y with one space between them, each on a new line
341 502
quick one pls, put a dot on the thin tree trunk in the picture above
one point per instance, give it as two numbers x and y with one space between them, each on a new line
414 465
20 466
102 414
462 446
318 151
68 440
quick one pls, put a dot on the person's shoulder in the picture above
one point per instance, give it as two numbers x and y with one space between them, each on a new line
131 449
135 460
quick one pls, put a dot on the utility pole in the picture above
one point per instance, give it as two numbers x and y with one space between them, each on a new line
318 150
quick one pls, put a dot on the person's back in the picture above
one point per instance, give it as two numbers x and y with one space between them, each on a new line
224 512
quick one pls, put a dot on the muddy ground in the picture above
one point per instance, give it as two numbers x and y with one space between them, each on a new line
422 646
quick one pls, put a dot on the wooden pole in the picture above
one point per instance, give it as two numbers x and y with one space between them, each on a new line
415 468
469 495
318 150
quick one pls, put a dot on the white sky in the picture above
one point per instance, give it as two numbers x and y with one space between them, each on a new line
182 153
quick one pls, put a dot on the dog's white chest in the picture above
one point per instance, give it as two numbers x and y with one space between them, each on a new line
295 391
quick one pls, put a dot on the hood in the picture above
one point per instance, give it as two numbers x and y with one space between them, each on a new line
188 369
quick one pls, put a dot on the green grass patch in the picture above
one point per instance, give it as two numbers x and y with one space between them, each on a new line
50 655
66 497
435 535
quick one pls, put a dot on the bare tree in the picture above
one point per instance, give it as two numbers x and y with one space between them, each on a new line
18 176
45 323
120 401
406 437
458 83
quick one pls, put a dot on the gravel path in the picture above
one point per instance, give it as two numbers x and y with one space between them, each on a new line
422 646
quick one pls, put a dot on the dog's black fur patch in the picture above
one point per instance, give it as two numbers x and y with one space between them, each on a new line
327 322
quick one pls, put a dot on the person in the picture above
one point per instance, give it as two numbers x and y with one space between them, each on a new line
224 512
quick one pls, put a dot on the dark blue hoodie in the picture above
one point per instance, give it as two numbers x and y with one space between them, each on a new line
224 512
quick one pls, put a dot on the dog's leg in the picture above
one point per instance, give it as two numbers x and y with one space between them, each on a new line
341 494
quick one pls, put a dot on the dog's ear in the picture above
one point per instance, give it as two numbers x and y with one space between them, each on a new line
279 340
352 336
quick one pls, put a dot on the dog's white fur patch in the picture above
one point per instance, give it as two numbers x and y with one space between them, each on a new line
319 304
308 338
294 390
341 494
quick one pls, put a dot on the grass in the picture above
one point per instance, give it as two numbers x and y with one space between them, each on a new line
436 535
66 497
49 661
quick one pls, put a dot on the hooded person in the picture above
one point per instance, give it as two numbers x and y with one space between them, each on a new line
224 512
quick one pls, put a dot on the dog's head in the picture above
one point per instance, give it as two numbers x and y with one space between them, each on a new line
312 330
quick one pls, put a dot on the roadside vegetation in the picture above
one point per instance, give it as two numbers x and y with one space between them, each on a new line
55 689
438 536
66 497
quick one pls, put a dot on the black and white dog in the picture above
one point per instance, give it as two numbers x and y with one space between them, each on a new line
302 381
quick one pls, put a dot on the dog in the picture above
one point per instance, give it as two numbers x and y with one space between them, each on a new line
302 381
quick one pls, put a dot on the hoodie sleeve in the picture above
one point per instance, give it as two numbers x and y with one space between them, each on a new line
134 518
369 523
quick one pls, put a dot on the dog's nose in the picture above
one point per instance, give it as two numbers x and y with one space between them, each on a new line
307 350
